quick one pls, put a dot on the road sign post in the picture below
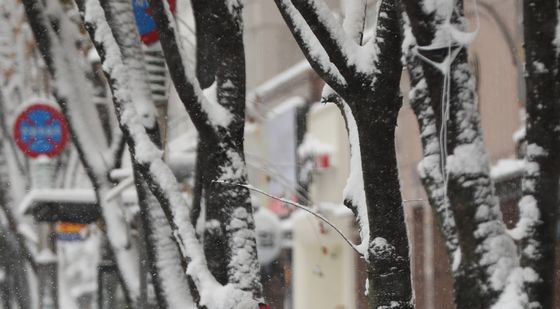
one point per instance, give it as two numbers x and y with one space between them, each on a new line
41 133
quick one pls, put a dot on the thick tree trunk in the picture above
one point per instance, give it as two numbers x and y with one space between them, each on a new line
389 264
134 118
227 207
370 96
487 253
541 180
430 167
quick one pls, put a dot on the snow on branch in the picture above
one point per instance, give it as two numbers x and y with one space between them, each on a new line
159 176
429 167
354 194
354 22
74 94
126 37
62 61
328 32
311 46
387 30
205 113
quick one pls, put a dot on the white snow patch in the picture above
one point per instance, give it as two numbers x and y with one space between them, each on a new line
539 67
311 146
514 295
46 256
468 159
354 189
529 216
506 168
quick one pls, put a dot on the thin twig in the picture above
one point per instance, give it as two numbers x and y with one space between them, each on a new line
307 209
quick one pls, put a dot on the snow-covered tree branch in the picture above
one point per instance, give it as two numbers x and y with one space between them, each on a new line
235 216
537 227
74 94
365 74
430 168
455 168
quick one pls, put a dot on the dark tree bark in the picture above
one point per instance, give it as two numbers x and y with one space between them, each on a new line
430 168
198 187
224 162
372 94
135 117
206 47
539 206
474 231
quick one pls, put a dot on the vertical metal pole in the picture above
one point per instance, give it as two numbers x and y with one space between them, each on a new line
107 279
42 172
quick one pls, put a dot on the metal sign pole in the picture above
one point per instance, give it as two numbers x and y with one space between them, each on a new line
42 173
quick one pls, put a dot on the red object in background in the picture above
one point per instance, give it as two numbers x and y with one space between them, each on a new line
145 22
264 306
280 208
322 162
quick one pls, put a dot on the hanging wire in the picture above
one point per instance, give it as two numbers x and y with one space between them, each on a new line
456 40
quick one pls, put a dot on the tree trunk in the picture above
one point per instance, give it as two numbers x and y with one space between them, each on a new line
541 179
389 264
487 253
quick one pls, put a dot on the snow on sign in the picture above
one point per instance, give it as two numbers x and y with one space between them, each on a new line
145 22
40 129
